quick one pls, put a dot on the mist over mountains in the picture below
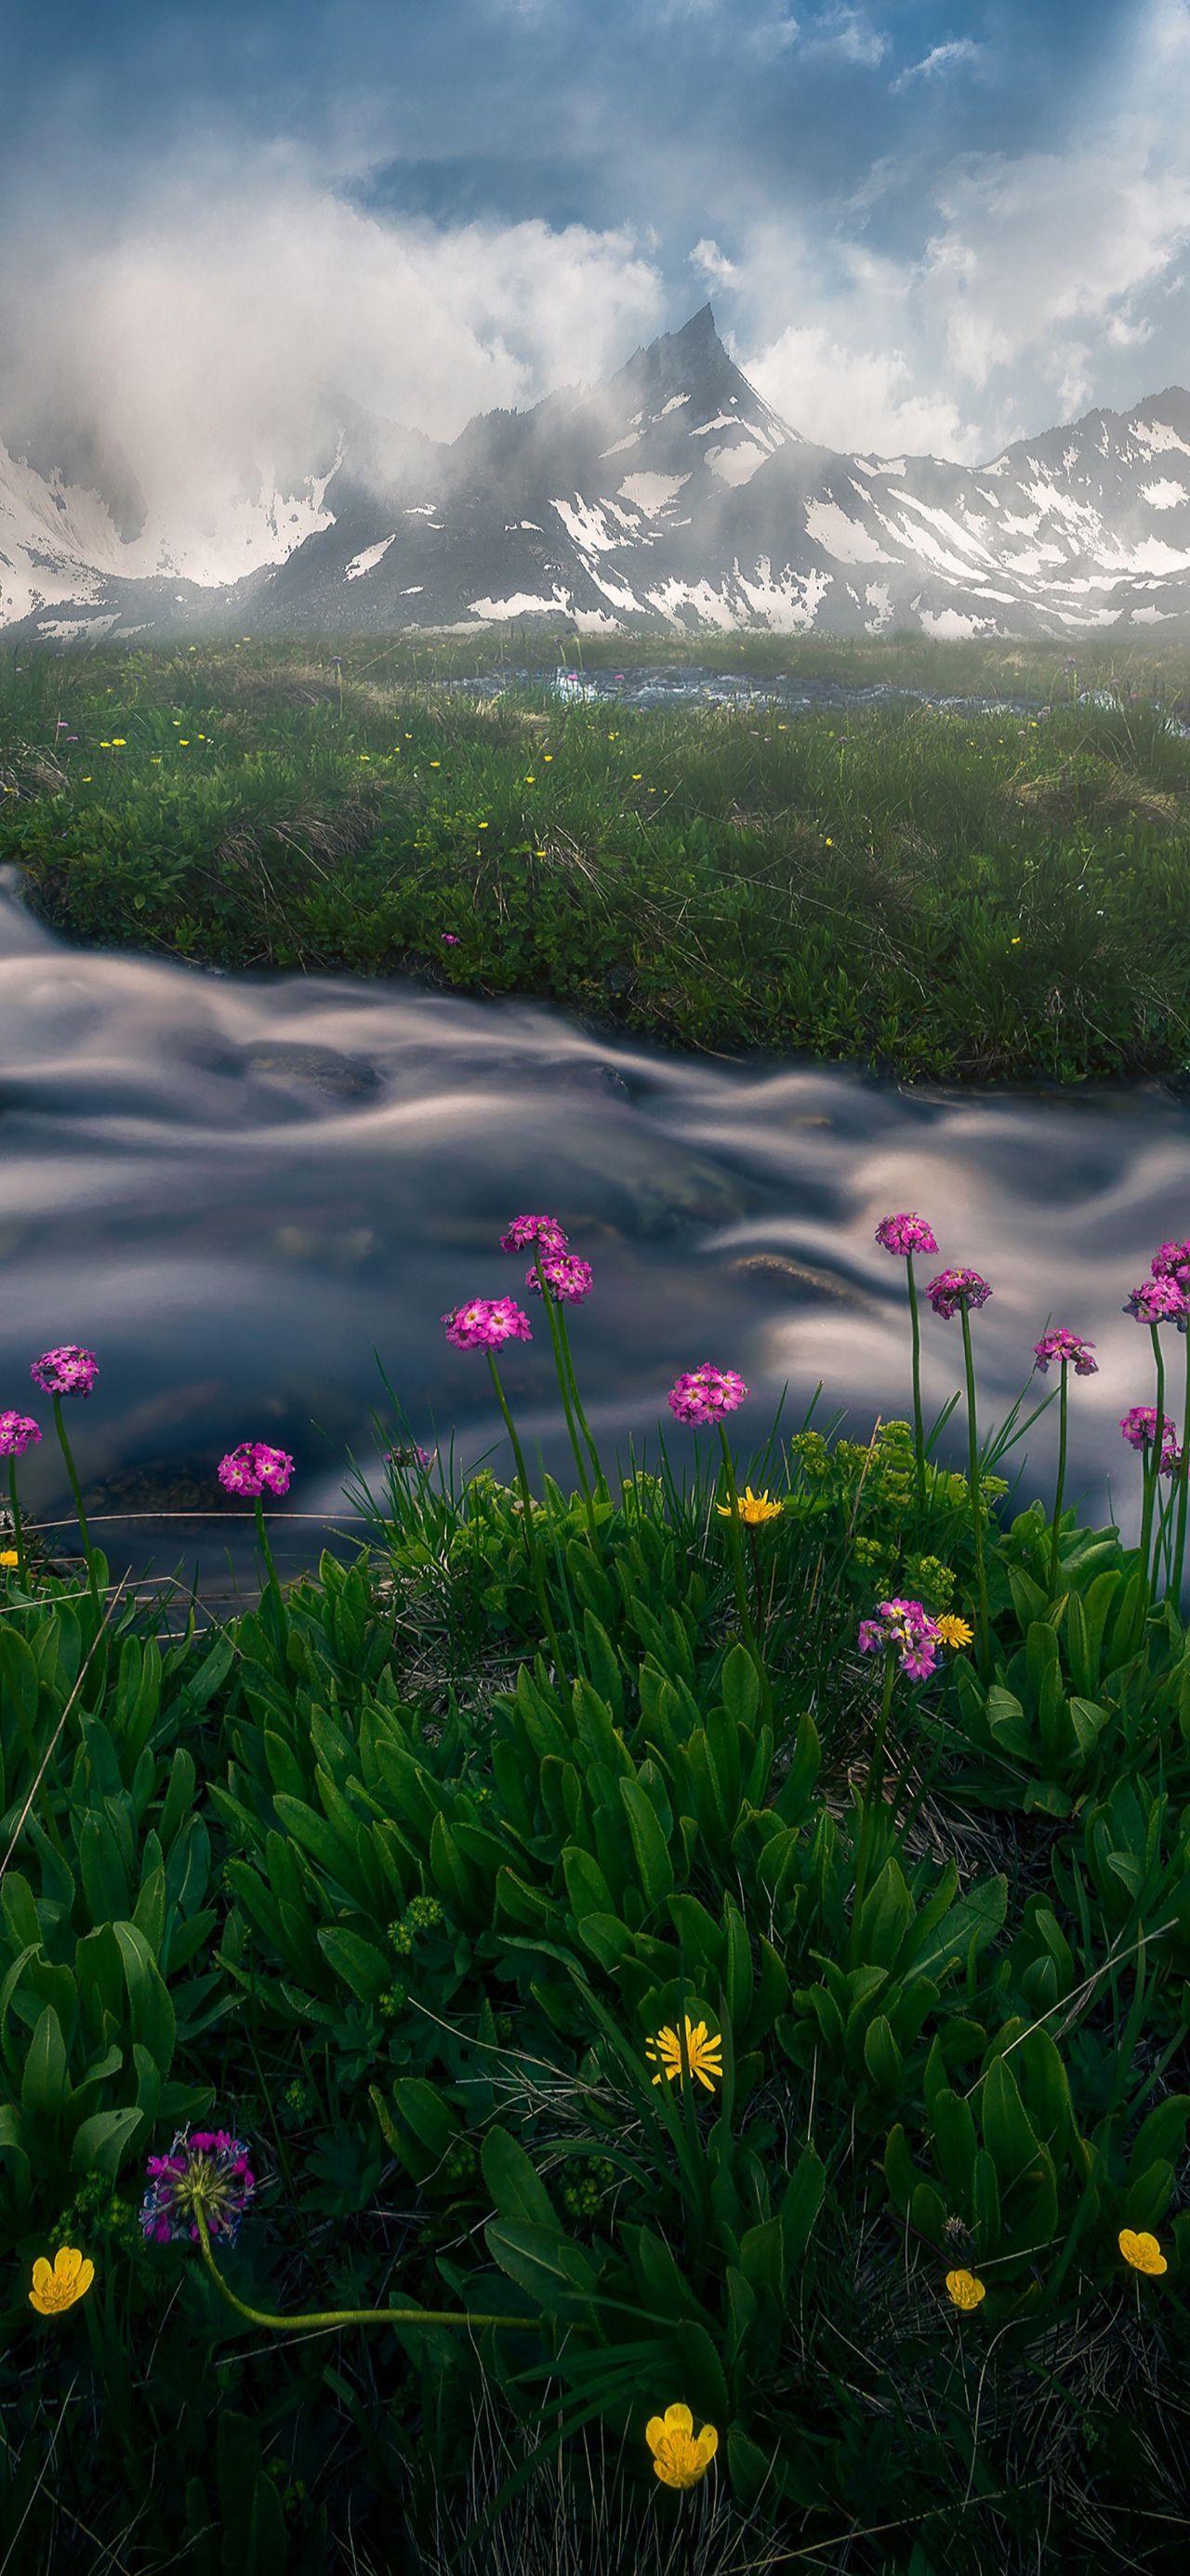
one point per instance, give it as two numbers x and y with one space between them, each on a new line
670 492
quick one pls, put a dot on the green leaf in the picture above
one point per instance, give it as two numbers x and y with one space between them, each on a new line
518 2194
45 2084
100 2142
649 1845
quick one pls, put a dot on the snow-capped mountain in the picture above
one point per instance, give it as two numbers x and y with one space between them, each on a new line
671 492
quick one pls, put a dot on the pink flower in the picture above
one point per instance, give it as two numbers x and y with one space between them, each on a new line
1066 1347
544 1230
1172 1261
411 1455
565 1274
906 1234
907 1625
450 939
17 1433
255 1469
705 1394
953 1289
1158 1301
1139 1427
66 1370
486 1323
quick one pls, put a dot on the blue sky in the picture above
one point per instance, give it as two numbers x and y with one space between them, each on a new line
920 226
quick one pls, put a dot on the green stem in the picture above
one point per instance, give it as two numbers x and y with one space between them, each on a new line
735 1528
976 1504
336 2317
601 1483
271 1570
919 1442
1179 1554
76 1490
534 1553
1061 1486
872 1793
1158 1439
553 1319
15 1508
1148 1472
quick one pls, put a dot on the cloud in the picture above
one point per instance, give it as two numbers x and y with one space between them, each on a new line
712 265
962 53
849 35
191 347
1034 279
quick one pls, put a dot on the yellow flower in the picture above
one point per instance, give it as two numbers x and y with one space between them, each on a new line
484 827
435 764
57 2287
954 1632
637 776
703 2051
530 780
830 845
1142 2251
547 755
183 742
8 1556
119 742
753 1508
965 2290
680 2459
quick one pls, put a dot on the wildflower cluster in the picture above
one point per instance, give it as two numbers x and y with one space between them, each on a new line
254 1469
909 1628
706 1394
906 1234
66 1370
486 1324
18 1432
1069 1349
207 2170
1139 1427
955 1290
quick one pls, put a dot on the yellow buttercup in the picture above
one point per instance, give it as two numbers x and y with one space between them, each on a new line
57 2285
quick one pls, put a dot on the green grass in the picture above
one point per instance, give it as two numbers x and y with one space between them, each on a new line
950 896
376 1888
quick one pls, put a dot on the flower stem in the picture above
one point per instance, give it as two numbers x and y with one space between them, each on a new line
553 1319
981 1577
76 1490
739 1573
871 1795
601 1484
271 1570
532 1548
1158 1447
1179 1553
15 1508
919 1443
1060 1488
336 2317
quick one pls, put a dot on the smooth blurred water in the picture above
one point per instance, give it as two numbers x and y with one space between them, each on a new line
233 1189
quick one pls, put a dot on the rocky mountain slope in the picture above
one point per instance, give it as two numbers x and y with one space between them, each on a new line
671 492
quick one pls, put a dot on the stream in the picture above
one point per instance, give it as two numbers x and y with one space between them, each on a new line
237 1190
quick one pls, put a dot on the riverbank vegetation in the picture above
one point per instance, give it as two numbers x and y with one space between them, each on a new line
640 2028
990 894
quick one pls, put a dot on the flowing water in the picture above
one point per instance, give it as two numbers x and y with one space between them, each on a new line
237 1189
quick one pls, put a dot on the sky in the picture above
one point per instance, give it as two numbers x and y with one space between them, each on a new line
922 228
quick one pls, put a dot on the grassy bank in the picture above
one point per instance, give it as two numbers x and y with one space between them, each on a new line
629 1980
954 896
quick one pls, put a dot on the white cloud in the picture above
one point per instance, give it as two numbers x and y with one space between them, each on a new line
711 264
962 53
1035 269
196 337
849 34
